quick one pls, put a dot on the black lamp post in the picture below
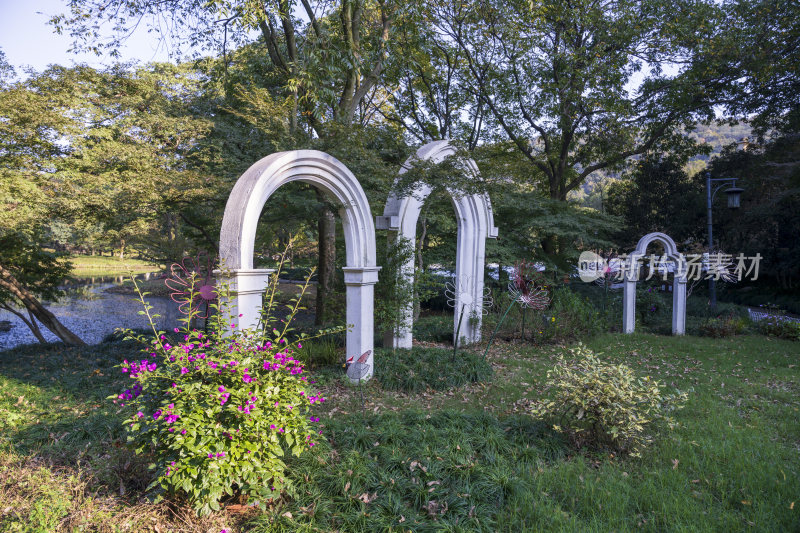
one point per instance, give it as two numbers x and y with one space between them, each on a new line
734 196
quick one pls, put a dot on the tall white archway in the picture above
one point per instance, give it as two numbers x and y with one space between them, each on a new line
475 225
238 234
678 284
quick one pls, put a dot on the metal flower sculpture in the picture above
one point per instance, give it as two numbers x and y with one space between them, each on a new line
357 370
192 283
459 291
527 289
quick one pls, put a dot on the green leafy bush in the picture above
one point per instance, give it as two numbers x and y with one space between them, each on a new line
571 316
726 326
778 326
321 352
602 404
421 368
434 328
651 303
218 412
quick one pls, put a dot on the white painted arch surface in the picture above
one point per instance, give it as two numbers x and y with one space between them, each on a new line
678 284
475 225
239 223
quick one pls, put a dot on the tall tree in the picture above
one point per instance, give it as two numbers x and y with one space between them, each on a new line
560 79
29 147
331 57
657 195
758 48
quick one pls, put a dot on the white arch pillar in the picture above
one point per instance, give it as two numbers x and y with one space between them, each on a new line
475 225
237 237
631 277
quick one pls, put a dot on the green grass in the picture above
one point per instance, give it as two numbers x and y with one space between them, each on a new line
466 458
88 265
418 369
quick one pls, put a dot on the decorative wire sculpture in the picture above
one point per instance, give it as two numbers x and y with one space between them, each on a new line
458 291
357 370
611 278
192 283
526 290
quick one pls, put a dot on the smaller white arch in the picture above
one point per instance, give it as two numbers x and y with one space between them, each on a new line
238 233
631 277
475 224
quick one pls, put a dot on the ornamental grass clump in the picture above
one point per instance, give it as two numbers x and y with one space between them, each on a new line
217 411
604 405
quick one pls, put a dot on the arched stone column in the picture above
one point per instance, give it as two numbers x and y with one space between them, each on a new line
475 225
678 284
237 237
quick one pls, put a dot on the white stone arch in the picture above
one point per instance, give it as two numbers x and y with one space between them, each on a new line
631 276
475 225
237 237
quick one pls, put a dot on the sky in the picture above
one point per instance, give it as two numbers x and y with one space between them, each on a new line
28 41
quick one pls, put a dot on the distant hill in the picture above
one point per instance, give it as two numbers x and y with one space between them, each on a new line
718 136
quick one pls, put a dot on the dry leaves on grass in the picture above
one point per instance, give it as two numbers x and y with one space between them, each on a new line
35 494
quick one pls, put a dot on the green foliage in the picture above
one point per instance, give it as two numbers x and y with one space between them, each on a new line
434 328
57 421
419 369
419 471
725 326
394 291
320 352
570 316
767 222
218 411
39 270
657 196
599 403
779 327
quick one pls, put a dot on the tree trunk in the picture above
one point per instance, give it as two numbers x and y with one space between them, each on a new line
32 325
550 245
326 245
122 250
36 309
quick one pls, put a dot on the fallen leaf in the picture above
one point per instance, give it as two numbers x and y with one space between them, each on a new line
347 486
675 464
287 514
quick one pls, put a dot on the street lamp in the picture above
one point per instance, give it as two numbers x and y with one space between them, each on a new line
734 196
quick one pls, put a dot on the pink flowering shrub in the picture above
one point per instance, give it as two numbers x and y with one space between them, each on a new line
218 411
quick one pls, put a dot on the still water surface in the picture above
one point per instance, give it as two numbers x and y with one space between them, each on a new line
92 312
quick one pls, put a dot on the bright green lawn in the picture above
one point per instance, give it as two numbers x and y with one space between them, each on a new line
466 459
88 265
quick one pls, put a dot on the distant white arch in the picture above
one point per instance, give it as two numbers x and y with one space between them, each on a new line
475 225
631 276
237 237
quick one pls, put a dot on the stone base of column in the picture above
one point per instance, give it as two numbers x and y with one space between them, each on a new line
246 292
679 307
629 306
360 286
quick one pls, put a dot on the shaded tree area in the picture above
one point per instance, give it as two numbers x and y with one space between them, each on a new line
658 195
546 97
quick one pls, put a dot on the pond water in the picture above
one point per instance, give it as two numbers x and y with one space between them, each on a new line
91 311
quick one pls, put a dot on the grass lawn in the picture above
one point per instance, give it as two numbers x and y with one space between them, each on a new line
95 265
458 459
